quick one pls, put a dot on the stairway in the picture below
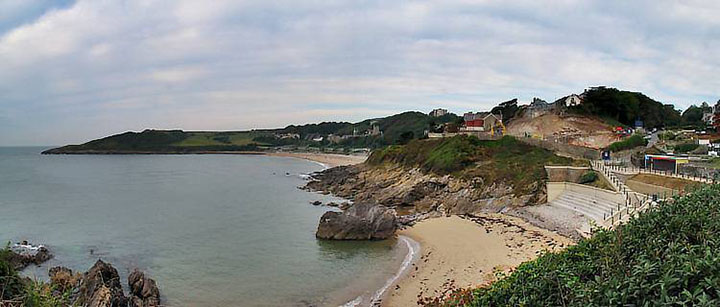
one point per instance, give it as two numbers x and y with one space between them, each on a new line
595 208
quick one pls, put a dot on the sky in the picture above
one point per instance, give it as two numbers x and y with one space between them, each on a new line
71 71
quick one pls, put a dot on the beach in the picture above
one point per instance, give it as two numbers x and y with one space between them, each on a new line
329 160
458 252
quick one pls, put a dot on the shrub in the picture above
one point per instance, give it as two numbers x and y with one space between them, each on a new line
686 147
10 283
588 177
629 143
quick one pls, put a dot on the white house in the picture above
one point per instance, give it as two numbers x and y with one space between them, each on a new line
438 112
573 100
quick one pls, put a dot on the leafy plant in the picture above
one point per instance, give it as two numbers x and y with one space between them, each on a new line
10 283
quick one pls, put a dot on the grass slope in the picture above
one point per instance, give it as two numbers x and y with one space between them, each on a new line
505 160
669 256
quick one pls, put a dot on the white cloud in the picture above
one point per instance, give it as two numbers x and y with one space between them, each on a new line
117 65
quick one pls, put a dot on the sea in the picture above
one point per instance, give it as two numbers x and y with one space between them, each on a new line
212 230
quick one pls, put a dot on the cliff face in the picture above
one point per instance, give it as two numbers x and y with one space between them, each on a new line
411 190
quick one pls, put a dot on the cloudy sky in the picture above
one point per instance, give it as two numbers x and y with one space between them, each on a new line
76 70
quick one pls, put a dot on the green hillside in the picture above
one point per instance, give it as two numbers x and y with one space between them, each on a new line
669 256
396 129
165 141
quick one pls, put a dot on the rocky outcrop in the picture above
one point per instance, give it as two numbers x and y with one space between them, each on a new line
23 254
100 287
419 192
362 221
143 290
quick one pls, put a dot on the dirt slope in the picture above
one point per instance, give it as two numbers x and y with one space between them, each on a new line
576 130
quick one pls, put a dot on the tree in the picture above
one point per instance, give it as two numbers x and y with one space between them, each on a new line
693 116
508 109
406 137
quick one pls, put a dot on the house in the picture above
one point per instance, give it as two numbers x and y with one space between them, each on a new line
707 118
572 100
374 129
664 163
481 121
703 142
438 112
539 107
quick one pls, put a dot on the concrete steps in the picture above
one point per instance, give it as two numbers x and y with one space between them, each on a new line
587 205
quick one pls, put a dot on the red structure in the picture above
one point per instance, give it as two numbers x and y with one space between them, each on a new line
475 123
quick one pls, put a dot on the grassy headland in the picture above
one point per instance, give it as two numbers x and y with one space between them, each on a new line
670 255
505 160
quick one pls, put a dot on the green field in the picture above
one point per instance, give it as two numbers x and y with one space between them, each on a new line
218 139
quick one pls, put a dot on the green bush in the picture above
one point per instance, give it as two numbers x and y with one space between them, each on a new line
686 147
588 177
629 143
670 255
10 283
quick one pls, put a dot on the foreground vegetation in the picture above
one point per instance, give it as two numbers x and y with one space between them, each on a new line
669 255
17 291
505 160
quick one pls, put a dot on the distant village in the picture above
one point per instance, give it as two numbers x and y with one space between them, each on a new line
554 126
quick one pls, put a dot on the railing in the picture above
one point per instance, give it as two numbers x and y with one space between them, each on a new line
632 200
636 170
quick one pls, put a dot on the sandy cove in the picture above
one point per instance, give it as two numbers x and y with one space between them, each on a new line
329 160
458 252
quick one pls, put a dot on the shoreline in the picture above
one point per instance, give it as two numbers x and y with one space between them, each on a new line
327 160
459 252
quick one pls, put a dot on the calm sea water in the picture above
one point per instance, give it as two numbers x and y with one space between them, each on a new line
213 230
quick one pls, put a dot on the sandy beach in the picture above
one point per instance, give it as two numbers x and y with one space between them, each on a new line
459 252
330 160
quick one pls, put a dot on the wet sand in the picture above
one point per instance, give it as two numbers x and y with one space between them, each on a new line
458 252
329 160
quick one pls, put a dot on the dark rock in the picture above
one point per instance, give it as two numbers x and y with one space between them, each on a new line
362 221
316 203
420 191
143 290
344 205
100 287
21 256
